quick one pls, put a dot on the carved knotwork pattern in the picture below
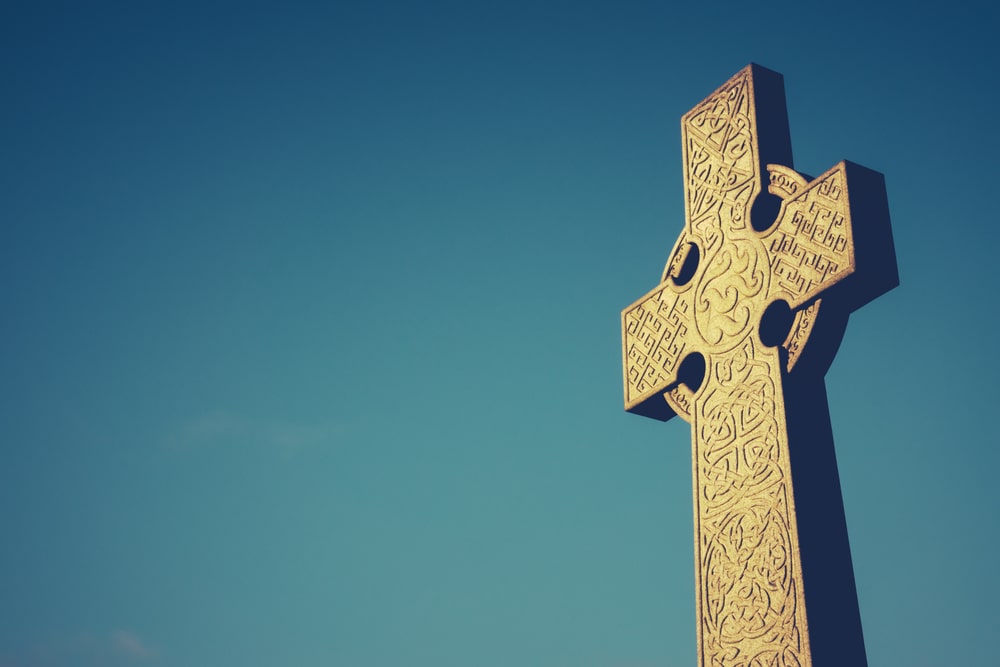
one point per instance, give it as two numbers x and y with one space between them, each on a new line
810 249
655 330
720 163
748 568
748 557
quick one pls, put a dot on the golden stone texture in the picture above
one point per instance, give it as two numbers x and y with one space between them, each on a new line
749 271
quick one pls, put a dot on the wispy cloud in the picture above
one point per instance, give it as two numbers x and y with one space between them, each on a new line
225 428
119 648
129 645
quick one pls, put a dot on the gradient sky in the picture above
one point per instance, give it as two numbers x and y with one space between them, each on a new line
311 346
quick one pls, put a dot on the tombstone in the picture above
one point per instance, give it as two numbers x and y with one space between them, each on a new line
736 339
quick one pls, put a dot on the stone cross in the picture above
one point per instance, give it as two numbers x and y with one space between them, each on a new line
722 341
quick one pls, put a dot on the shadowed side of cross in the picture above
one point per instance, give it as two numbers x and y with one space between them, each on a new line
722 341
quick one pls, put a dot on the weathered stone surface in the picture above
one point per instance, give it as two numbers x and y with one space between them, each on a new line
736 339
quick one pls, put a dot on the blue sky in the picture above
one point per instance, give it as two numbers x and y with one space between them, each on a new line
311 347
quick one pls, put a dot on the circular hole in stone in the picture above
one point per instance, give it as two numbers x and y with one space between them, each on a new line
764 212
691 372
775 323
690 265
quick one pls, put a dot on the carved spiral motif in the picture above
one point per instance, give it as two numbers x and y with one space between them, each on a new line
724 309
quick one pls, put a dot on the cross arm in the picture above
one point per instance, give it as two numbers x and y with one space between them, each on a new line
653 346
830 232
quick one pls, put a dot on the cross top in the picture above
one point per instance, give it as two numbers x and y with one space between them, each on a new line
717 340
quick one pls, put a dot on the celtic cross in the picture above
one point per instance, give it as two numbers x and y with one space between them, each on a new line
722 341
